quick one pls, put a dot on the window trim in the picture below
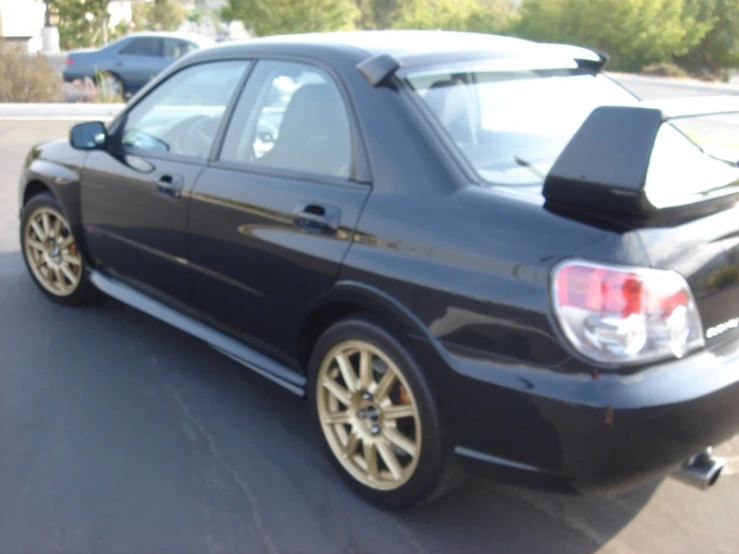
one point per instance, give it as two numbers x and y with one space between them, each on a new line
118 124
359 172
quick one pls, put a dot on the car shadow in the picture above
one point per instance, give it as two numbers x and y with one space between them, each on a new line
245 446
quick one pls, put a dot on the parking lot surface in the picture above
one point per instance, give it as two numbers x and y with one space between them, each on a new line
119 433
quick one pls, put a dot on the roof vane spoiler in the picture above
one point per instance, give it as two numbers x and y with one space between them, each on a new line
585 57
603 169
379 68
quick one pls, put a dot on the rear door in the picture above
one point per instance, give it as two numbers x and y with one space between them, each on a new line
272 219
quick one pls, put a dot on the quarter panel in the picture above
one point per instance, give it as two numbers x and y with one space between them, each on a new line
474 267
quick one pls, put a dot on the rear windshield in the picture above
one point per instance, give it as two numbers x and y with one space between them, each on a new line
512 125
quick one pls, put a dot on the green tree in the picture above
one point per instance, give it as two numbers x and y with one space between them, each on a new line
82 23
488 16
634 32
718 51
159 15
273 17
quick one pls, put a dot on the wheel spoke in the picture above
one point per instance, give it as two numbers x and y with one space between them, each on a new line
57 227
397 411
365 370
36 245
68 240
370 459
390 459
337 418
352 445
46 224
59 280
40 234
341 394
69 274
70 259
347 372
39 262
384 386
400 440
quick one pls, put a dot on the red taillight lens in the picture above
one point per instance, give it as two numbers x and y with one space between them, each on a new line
618 314
70 61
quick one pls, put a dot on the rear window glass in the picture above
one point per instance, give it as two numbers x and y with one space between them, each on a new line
512 125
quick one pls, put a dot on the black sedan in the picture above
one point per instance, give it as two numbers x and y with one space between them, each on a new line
470 253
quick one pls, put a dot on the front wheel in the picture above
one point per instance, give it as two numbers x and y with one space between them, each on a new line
376 416
51 253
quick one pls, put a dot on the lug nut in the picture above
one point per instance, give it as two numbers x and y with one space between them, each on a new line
366 396
375 429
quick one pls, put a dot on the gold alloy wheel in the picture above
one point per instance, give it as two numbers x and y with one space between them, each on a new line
52 253
368 415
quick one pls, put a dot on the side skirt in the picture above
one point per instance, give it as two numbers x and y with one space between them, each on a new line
264 365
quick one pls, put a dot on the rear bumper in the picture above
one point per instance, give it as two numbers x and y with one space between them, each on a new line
71 76
542 429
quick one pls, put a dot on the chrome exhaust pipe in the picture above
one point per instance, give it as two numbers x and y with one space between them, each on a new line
701 471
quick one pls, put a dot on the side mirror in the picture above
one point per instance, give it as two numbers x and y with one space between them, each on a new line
88 136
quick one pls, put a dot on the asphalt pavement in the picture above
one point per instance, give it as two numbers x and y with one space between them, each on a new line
119 433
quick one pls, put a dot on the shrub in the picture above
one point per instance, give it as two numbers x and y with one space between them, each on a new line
665 70
25 78
636 33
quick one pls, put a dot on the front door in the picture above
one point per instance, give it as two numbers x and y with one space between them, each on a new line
135 195
272 219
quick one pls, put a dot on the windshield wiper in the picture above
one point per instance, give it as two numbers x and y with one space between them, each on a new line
528 165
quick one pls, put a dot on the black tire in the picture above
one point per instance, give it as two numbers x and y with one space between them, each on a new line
79 294
435 472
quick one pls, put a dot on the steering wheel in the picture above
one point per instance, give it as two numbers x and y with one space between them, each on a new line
194 136
265 137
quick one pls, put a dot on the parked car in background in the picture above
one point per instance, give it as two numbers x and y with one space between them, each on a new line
129 63
468 252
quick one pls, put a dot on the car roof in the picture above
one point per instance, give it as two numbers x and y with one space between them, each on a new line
411 47
400 43
193 37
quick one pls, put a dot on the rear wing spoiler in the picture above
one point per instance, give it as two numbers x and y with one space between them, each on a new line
603 169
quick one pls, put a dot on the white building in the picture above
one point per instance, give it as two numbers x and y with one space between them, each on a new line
22 21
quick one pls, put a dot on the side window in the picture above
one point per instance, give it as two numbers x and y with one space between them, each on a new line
175 48
290 116
145 46
182 115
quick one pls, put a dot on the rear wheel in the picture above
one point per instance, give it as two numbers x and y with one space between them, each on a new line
375 415
51 253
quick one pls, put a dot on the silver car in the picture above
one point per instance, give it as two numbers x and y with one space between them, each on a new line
129 63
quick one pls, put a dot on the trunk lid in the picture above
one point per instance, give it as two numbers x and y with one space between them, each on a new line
706 252
626 168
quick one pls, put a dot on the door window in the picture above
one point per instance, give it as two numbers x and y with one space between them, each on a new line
145 46
175 48
291 116
182 115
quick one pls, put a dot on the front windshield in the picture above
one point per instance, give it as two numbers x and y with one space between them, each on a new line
512 126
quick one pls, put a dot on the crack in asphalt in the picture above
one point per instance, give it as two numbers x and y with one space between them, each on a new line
190 420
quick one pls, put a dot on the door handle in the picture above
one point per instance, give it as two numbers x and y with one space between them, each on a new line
170 185
318 218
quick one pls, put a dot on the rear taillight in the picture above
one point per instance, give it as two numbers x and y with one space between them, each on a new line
70 61
623 315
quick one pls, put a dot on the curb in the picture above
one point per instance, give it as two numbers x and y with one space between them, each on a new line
726 88
64 112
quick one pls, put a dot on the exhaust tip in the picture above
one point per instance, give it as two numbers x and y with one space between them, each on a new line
701 471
